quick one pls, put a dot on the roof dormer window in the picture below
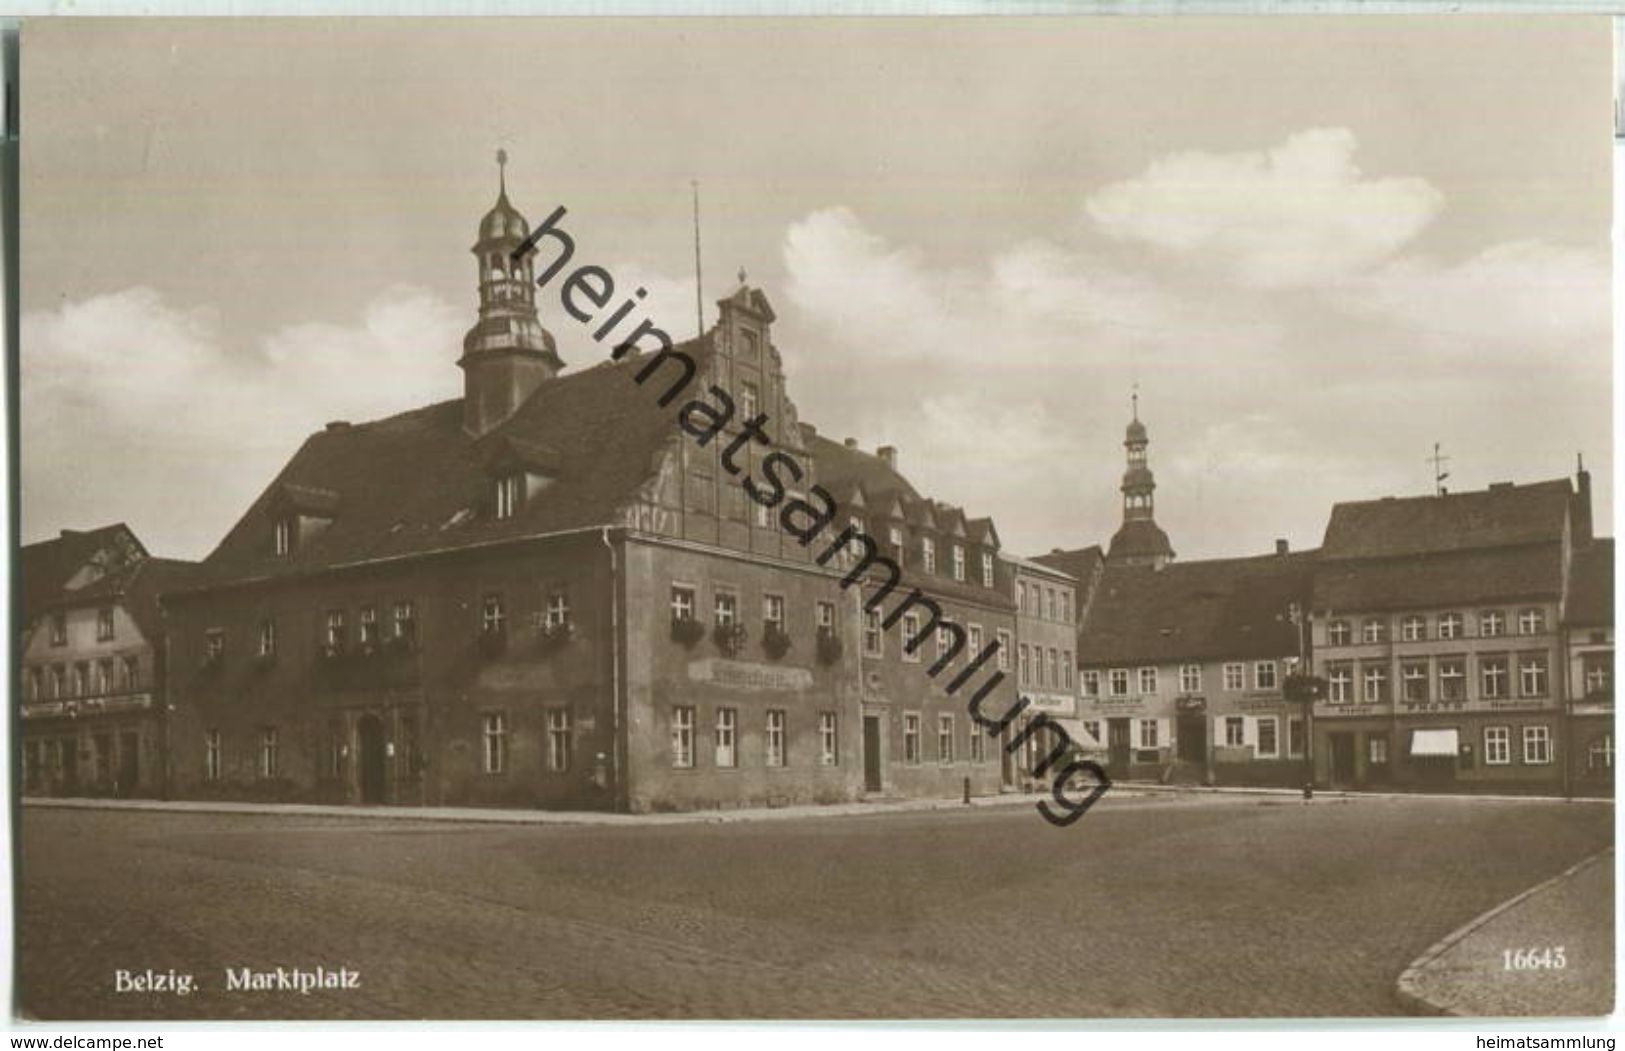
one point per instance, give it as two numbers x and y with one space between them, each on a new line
282 534
510 494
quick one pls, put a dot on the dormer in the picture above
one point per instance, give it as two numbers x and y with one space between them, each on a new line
297 515
519 470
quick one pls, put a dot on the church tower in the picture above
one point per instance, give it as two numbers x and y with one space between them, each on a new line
1139 541
507 354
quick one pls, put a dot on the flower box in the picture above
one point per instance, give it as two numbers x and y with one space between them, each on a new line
687 630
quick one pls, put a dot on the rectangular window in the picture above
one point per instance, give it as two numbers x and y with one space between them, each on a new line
211 755
1338 633
959 562
682 737
1026 676
1148 680
829 741
1532 675
1054 667
558 608
775 737
1004 650
267 645
945 642
749 397
1049 603
1294 736
509 490
826 616
1413 628
1450 626
495 725
1268 746
873 640
987 570
334 633
682 602
911 629
1492 624
1374 630
978 745
727 737
270 754
36 684
493 615
773 611
895 536
104 624
59 629
1493 678
1537 745
404 621
1531 622
81 679
214 645
1597 674
1148 733
558 739
59 681
928 554
1190 678
1497 745
973 639
1376 683
1235 731
1066 607
282 537
1414 680
945 738
726 609
764 519
1118 679
1452 678
368 625
911 738
104 675
1235 676
1264 675
1376 749
1091 682
132 673
1067 668
1340 683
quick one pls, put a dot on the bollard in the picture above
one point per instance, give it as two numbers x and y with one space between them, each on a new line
967 791
1308 791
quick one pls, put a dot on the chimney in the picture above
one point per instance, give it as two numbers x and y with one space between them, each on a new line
1582 501
1281 546
888 455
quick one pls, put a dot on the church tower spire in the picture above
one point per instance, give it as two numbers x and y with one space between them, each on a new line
507 354
1139 540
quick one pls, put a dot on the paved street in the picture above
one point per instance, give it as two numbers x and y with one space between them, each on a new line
1161 906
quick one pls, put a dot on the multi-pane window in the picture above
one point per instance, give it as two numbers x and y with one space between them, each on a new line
1268 746
1066 668
1537 745
368 625
1600 753
282 537
1119 682
894 534
1531 621
1492 677
945 642
973 639
1376 749
1452 678
911 738
1450 626
1374 630
1091 683
1338 633
1004 650
1597 673
829 741
1492 623
682 602
873 645
1376 683
270 753
558 608
978 745
214 644
1340 683
1021 596
1235 731
404 620
267 646
911 628
104 624
959 562
726 609
333 631
1413 628
1414 680
727 733
945 738
1532 675
495 736
493 615
1264 675
1148 733
987 570
826 616
211 755
775 737
1235 676
1148 680
749 399
1497 745
510 490
1027 665
1049 603
1190 678
558 739
59 629
928 554
682 736
773 610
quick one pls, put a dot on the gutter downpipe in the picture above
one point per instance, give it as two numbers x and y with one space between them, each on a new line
620 794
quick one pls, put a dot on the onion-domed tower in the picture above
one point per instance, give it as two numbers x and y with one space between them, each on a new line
507 354
1139 541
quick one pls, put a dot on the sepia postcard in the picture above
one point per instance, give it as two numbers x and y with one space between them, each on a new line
771 518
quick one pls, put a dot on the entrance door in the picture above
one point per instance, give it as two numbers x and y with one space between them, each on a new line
370 735
129 763
1342 746
1117 744
1192 730
872 781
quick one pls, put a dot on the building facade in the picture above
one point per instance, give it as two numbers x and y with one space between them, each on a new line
1046 604
1588 633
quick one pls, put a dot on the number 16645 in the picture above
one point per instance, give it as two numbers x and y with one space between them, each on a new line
1550 959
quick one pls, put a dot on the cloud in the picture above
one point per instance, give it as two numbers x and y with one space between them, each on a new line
1299 214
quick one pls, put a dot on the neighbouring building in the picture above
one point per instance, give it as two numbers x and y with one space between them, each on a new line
549 593
1588 635
1046 665
1437 627
92 712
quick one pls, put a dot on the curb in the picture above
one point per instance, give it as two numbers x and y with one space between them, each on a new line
1343 793
1408 988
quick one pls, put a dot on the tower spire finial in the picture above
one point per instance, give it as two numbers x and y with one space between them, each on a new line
1134 399
502 172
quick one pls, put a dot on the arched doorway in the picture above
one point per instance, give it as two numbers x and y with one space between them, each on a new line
370 735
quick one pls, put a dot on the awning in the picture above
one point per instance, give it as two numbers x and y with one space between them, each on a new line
1080 736
1433 742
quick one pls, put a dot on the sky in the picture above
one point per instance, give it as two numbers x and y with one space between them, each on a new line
1318 246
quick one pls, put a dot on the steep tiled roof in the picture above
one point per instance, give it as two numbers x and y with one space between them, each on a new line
46 567
1591 585
837 463
1446 578
407 484
1498 516
1220 608
1078 564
